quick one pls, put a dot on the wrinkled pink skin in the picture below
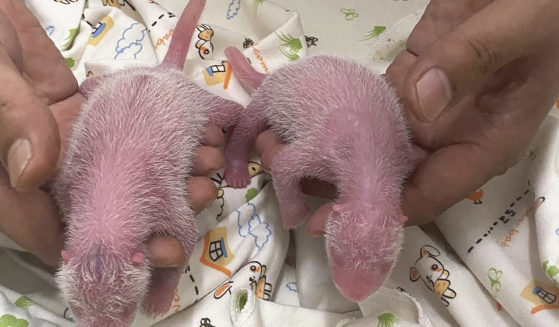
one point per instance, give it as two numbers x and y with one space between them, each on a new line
343 125
124 180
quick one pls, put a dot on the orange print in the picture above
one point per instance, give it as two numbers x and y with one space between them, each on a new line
476 196
176 302
260 59
161 40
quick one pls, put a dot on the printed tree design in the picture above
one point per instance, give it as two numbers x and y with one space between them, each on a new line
376 31
349 13
11 321
495 276
290 46
251 194
386 319
70 39
24 302
70 62
551 271
256 4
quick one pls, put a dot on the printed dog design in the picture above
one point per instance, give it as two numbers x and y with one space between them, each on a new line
433 273
256 280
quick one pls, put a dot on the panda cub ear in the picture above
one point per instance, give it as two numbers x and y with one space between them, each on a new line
137 258
65 255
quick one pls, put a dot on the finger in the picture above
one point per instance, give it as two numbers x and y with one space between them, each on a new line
267 146
458 63
441 17
266 140
316 224
445 178
65 113
398 70
29 140
213 136
31 220
166 252
42 61
267 157
10 41
318 188
208 160
202 192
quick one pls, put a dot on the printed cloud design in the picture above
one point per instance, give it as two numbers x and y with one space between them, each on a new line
292 286
130 42
49 30
254 227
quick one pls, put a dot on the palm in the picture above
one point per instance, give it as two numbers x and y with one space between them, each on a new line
486 131
31 218
33 221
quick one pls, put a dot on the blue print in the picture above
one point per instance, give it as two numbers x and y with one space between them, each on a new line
49 29
292 286
233 11
256 228
130 42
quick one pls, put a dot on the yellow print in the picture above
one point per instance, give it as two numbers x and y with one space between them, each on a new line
100 30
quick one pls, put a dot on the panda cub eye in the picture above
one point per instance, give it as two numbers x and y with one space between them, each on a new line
434 267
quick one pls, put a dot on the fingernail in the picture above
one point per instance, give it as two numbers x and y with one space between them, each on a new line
315 233
434 93
18 156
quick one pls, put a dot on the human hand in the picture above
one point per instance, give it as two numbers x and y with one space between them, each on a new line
39 101
502 81
501 62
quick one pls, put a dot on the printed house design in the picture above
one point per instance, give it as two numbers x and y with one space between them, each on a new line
216 74
100 30
216 253
542 295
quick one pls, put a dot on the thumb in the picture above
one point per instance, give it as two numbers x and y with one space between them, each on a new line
458 63
29 140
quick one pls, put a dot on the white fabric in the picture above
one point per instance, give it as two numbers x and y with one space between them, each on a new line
491 285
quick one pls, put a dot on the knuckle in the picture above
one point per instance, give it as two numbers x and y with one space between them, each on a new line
486 56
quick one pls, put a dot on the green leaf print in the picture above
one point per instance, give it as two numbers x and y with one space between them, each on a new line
376 31
290 46
495 280
294 44
349 14
70 62
386 320
11 321
256 4
71 36
243 299
552 271
292 56
24 302
251 193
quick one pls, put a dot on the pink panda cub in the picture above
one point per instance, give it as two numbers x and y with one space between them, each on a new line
344 125
124 181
